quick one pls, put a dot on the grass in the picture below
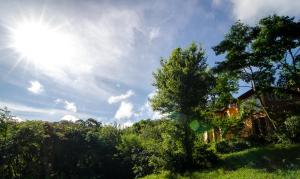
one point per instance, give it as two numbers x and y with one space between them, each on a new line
274 161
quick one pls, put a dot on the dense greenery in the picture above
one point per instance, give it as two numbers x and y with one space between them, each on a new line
87 149
183 84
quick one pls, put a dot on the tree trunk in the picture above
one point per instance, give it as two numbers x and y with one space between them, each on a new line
263 106
260 99
188 145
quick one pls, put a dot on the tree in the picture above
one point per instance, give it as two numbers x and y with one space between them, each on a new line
183 84
278 40
242 59
222 93
264 55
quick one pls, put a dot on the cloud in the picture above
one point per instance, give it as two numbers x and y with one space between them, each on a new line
18 119
57 101
127 124
110 45
70 106
116 99
69 118
35 87
107 40
125 110
27 112
24 108
154 33
146 110
252 10
101 38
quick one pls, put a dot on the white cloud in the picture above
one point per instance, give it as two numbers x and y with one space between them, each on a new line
102 38
70 106
57 101
110 42
69 118
116 99
125 111
127 124
252 10
18 119
105 41
24 108
146 110
154 33
22 111
35 87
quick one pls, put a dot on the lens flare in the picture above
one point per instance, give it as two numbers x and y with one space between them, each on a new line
41 44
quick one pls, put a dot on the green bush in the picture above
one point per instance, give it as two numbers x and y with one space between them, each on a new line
203 157
292 125
152 146
231 146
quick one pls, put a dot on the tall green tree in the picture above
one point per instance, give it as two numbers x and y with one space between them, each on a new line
264 55
242 59
183 83
278 40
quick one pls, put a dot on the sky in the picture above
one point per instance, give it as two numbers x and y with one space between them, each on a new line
79 59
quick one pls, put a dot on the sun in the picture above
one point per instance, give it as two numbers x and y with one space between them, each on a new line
41 44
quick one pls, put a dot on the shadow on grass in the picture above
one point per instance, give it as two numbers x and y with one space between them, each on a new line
270 158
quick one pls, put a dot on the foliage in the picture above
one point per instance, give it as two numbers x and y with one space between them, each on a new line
183 83
248 108
222 92
36 149
231 146
273 161
156 145
256 53
242 60
204 157
264 56
293 127
278 41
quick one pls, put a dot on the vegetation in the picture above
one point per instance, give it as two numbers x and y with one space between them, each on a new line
274 161
183 84
188 93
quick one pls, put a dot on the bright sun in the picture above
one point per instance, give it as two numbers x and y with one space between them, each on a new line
41 44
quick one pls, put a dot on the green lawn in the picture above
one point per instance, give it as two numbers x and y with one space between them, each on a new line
275 161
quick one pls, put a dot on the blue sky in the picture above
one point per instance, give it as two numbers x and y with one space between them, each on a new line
63 59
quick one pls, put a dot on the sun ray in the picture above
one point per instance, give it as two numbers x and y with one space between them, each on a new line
40 43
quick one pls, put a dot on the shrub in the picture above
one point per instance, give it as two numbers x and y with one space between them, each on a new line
231 146
292 125
204 157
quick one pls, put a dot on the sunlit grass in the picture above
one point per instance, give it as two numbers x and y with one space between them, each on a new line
275 161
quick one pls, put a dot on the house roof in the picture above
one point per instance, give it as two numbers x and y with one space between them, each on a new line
246 95
250 92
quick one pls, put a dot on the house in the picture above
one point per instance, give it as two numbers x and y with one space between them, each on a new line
275 100
229 111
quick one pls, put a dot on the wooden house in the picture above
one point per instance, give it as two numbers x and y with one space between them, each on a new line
275 100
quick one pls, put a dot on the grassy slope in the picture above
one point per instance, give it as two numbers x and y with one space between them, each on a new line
276 161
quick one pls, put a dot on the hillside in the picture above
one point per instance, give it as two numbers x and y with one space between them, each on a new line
274 161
